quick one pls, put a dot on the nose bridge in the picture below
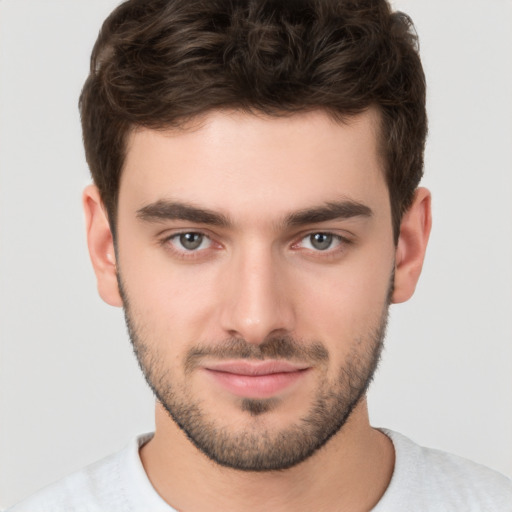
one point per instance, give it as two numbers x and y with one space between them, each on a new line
256 304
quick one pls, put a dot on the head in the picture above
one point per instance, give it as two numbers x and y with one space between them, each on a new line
255 208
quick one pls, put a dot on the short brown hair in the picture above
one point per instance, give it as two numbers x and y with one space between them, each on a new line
160 63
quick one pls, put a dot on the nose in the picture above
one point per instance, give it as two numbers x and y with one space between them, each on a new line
256 302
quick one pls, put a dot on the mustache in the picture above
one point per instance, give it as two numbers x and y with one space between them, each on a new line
281 347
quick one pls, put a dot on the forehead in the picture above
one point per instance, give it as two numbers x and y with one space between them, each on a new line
230 160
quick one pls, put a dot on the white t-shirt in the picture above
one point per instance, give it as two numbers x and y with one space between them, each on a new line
423 480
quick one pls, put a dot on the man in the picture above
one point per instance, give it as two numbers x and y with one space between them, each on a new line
255 211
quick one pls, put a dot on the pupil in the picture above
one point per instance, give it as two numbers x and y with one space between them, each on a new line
321 241
191 241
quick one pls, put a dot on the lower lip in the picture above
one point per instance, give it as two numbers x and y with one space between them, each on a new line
256 386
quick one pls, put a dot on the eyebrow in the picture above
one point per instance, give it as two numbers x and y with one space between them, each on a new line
174 210
345 209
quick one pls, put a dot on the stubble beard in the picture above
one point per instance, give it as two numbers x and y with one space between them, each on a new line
262 449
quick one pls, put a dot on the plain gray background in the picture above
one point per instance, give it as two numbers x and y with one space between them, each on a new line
70 389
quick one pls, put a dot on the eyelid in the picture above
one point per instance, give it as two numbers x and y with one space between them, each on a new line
177 238
167 234
334 240
166 240
343 242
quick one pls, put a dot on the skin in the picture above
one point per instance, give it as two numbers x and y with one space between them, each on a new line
256 277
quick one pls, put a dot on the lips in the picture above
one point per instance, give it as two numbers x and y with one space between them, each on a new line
255 379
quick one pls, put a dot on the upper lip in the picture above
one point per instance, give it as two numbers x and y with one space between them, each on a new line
255 368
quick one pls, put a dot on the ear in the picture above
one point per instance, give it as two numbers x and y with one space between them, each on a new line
412 244
101 246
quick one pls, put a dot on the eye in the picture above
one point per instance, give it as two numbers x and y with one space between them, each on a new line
190 241
321 241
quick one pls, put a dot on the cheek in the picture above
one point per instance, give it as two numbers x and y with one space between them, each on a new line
170 303
347 301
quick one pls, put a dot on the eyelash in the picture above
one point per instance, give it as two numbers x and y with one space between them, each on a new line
341 244
340 241
183 253
331 254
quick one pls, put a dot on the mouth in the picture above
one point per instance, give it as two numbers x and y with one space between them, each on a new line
255 379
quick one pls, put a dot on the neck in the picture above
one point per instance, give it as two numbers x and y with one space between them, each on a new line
351 472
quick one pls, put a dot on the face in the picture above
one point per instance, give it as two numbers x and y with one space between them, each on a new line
255 259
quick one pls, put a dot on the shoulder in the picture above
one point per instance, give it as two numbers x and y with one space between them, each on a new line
84 491
100 485
436 480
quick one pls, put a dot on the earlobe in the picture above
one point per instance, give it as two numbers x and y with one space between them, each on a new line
101 246
412 244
